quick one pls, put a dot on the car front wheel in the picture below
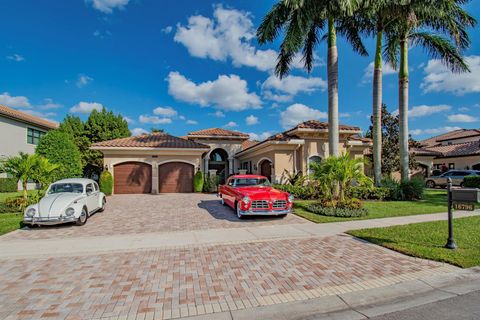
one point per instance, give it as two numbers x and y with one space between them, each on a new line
83 217
430 184
237 209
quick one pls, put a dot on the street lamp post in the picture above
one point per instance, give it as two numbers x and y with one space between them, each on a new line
450 242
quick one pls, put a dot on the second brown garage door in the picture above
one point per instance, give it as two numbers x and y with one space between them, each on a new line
175 177
132 177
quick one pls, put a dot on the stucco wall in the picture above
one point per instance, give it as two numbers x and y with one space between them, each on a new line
13 137
460 162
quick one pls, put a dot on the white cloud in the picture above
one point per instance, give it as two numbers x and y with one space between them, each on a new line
138 131
228 35
461 118
291 85
218 114
193 122
296 113
107 6
165 111
13 101
226 92
128 119
231 124
260 136
154 119
83 80
167 29
269 95
15 57
251 120
433 131
44 115
463 109
387 69
86 107
439 79
49 104
102 34
424 110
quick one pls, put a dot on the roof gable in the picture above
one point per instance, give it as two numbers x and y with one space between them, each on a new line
218 132
154 140
26 118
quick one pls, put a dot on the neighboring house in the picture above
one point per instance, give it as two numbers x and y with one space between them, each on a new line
20 132
458 149
160 162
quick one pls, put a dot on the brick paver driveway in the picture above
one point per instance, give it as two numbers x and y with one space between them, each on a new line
155 213
165 283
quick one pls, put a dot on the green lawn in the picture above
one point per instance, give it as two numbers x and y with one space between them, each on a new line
434 201
9 221
427 240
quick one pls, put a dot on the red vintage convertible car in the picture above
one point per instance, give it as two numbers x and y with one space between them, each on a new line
250 194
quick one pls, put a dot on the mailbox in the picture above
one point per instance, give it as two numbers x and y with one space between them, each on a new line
470 195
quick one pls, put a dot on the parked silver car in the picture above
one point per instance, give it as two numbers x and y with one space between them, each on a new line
457 177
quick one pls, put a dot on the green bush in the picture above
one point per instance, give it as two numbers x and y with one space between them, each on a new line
471 182
59 148
8 184
198 180
404 191
366 193
306 192
337 211
106 182
211 184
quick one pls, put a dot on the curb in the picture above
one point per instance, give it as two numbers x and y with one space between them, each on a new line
366 303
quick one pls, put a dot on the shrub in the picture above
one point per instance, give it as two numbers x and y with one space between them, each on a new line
59 148
8 184
306 192
365 193
16 204
198 180
472 182
211 184
337 211
412 189
106 182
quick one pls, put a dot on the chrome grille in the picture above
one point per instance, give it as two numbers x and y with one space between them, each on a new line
279 204
260 204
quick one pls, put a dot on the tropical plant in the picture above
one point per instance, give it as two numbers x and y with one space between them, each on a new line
58 147
302 21
198 181
336 174
8 184
106 182
440 28
294 178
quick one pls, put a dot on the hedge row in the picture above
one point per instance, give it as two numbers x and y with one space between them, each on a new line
8 185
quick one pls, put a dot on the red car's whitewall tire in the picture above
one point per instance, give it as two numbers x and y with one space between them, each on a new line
237 210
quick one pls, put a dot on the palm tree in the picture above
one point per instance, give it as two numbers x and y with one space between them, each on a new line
21 168
419 22
303 20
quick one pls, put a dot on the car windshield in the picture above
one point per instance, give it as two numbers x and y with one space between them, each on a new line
248 182
66 187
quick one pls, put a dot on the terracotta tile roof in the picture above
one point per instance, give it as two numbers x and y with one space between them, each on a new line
459 149
215 132
315 124
154 140
358 138
452 135
424 152
27 118
249 143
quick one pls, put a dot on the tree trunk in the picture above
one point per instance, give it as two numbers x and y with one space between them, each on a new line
403 109
24 186
377 111
332 70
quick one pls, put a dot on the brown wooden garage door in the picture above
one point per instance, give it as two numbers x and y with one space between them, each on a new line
175 177
132 177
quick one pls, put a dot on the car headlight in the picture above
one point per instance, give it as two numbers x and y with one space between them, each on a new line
246 200
30 212
290 198
69 211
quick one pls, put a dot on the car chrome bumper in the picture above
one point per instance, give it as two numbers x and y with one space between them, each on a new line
265 212
48 220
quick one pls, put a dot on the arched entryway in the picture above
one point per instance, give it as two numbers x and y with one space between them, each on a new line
218 160
313 159
132 177
266 168
476 166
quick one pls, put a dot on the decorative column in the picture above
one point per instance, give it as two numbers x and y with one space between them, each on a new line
231 164
205 165
154 177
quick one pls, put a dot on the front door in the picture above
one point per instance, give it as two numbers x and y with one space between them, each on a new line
266 169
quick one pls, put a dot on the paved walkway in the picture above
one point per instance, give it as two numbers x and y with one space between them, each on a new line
15 247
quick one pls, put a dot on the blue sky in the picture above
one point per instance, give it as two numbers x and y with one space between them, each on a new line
188 65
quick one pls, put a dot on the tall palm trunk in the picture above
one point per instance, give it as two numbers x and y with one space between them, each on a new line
377 110
332 70
403 109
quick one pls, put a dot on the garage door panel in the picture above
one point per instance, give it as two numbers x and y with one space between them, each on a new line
132 177
175 177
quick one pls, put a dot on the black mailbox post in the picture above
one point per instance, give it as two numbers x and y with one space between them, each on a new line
463 199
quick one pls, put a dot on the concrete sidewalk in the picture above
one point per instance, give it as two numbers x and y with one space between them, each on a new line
14 248
364 304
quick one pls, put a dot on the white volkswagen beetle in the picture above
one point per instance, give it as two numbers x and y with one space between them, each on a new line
67 200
